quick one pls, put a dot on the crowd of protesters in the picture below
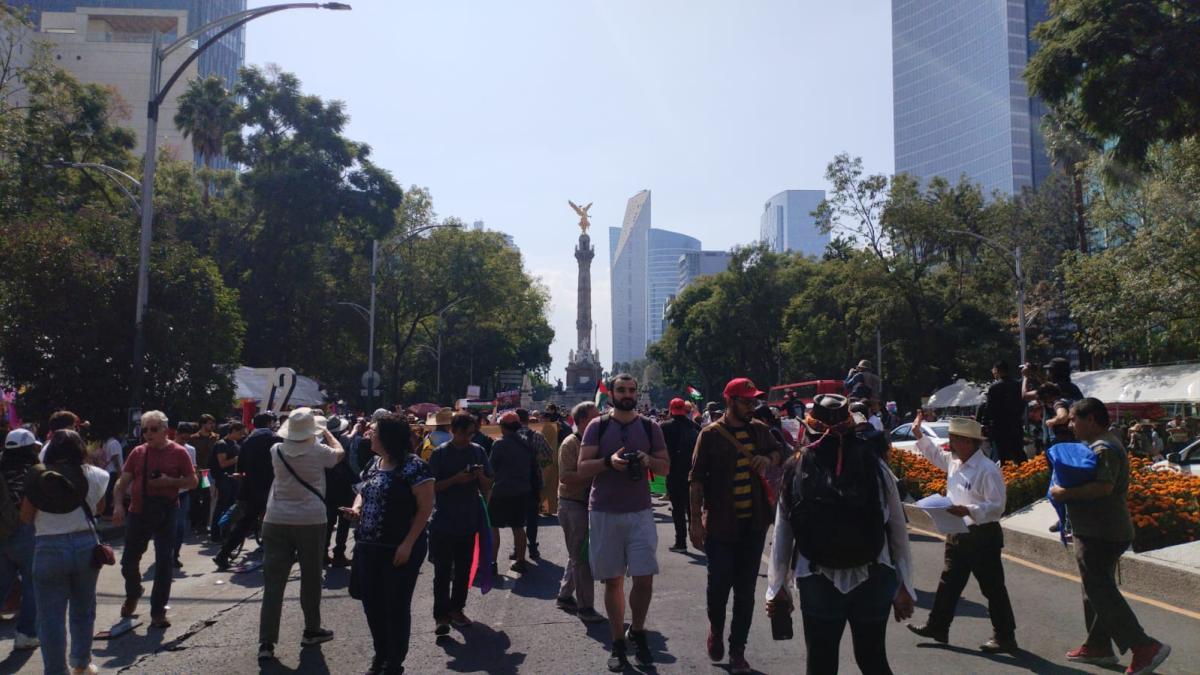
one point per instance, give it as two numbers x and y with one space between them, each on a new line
444 490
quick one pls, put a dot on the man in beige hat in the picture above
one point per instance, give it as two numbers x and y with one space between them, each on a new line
976 487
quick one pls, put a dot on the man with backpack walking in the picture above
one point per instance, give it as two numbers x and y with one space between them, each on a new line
680 434
617 449
727 491
975 485
841 535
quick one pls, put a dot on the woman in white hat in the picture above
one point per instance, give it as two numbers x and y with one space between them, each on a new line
294 525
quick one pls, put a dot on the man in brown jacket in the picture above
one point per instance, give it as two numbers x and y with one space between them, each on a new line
730 513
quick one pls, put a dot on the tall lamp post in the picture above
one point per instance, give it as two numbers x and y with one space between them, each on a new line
368 313
158 55
1013 259
117 176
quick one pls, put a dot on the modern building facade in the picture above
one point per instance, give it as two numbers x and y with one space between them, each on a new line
695 264
644 272
108 42
961 106
787 223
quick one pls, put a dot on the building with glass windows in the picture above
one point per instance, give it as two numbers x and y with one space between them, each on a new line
787 223
960 104
644 273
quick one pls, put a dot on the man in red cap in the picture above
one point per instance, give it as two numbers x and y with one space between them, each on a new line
726 487
680 434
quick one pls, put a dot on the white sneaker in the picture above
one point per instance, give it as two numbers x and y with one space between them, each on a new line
23 641
91 669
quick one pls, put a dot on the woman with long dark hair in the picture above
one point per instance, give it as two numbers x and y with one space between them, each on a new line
392 508
61 502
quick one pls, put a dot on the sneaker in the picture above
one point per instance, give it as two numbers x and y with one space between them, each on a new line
1085 654
567 604
378 665
129 607
520 567
23 641
589 615
316 637
737 662
997 646
641 647
443 626
89 669
716 646
160 621
221 563
266 651
1148 657
679 547
459 620
618 661
534 553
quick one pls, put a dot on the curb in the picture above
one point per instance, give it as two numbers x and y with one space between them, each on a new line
1155 579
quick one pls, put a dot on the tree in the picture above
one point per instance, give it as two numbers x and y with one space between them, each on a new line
1126 66
205 114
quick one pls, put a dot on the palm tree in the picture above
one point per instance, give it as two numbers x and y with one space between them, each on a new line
205 114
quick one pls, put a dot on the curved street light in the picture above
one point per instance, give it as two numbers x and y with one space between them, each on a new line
114 174
158 55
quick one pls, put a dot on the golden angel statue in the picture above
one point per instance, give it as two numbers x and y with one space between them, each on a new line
584 223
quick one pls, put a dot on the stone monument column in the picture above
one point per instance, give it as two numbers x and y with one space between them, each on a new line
584 370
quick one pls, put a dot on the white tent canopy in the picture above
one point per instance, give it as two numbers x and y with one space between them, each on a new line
255 383
1150 384
961 394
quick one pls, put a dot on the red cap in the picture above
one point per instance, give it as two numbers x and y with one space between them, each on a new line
509 418
677 407
742 387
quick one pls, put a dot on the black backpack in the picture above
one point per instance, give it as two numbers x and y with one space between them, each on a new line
837 519
647 425
10 515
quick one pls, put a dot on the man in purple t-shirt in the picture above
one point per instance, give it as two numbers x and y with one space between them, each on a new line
617 449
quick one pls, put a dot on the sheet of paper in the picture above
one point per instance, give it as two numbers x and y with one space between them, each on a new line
935 506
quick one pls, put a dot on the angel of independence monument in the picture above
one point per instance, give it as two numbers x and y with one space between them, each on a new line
583 366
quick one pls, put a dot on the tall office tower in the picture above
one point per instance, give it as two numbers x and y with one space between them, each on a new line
108 42
960 102
644 272
695 264
627 269
787 223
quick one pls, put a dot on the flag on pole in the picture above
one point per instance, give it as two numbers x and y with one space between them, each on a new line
602 398
694 393
481 558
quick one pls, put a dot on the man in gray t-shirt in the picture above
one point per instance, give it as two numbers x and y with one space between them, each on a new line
617 449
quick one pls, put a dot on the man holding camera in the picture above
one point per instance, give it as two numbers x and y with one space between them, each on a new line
617 449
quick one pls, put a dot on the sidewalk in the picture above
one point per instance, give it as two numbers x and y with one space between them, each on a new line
1170 575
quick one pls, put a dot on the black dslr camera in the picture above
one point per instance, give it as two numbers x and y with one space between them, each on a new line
635 468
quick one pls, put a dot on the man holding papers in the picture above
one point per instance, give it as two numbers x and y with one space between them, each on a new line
975 488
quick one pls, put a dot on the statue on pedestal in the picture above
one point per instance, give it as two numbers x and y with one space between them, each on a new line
583 369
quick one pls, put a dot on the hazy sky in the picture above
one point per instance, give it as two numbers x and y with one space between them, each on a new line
507 110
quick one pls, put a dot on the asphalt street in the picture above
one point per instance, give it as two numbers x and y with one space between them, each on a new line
518 629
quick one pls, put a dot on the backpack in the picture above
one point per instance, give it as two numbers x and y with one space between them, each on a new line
10 515
646 424
837 519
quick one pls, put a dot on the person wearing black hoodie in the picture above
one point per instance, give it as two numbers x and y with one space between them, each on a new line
680 434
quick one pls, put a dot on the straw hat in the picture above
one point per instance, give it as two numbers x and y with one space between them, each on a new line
302 424
439 418
966 427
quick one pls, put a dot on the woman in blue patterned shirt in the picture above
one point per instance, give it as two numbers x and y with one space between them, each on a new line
392 507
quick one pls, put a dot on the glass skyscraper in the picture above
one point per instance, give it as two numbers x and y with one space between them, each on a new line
787 223
960 102
662 274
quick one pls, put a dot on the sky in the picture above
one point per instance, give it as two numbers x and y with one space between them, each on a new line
505 111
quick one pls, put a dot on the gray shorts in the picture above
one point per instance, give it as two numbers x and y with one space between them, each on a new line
622 544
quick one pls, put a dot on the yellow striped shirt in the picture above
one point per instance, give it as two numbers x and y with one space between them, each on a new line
742 504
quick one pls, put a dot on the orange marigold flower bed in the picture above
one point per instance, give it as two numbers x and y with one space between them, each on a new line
1164 505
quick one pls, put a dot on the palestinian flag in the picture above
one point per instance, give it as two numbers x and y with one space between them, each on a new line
694 393
603 400
481 558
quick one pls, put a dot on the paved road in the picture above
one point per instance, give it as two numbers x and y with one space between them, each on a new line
519 630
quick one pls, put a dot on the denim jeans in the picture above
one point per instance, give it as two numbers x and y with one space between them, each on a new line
140 529
16 560
733 566
63 575
826 611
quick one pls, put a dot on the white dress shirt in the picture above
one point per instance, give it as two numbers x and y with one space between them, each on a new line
976 483
895 552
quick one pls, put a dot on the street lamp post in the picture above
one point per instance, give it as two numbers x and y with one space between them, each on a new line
1015 268
112 173
158 55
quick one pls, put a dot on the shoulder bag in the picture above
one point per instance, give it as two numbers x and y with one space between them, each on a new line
279 453
102 554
